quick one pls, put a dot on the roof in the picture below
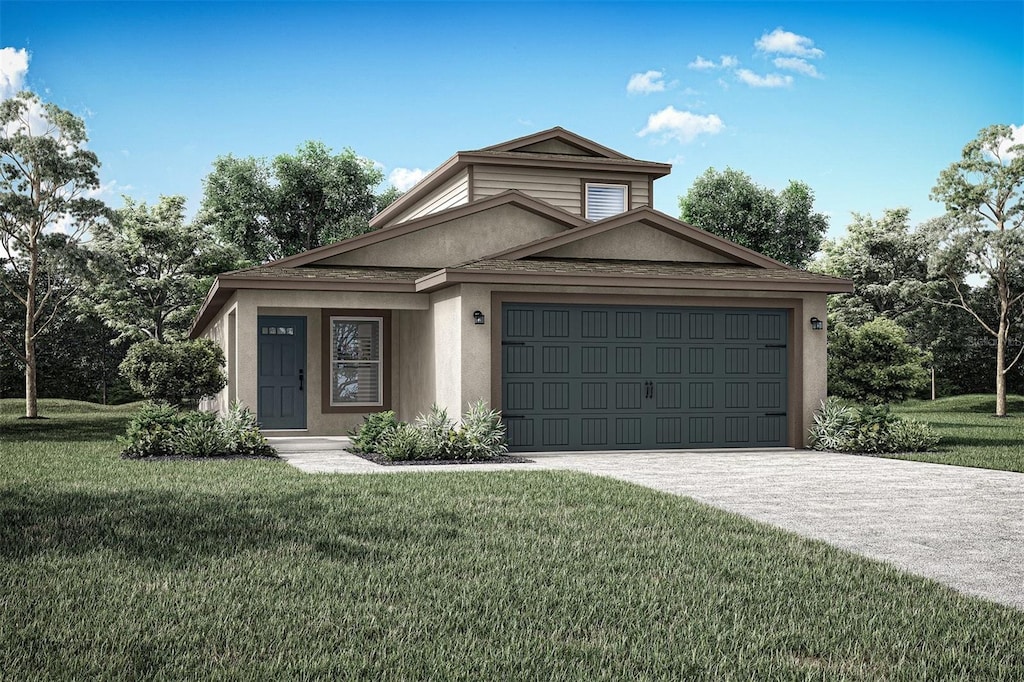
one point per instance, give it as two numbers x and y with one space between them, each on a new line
504 154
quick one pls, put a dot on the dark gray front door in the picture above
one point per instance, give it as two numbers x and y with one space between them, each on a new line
282 372
577 377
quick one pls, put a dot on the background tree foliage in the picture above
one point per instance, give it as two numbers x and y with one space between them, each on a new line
46 176
982 237
781 225
153 269
295 202
873 363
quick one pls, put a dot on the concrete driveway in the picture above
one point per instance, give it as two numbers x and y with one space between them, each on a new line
962 527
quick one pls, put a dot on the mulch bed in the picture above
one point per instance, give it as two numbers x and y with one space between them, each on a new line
384 461
179 458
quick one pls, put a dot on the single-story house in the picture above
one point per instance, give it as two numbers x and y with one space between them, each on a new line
535 275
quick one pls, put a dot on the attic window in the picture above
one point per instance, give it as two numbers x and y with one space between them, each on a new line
604 200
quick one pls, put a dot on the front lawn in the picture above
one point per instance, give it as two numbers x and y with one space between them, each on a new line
971 435
250 569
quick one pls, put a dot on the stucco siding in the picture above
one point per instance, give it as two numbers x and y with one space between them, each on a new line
222 330
453 193
637 242
456 241
415 359
554 147
447 314
558 187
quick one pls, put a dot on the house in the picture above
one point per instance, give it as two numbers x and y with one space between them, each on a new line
535 275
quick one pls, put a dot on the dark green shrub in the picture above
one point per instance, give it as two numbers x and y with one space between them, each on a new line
375 426
840 427
200 435
873 363
179 373
151 430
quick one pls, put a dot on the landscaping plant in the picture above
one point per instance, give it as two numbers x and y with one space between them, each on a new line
433 435
873 429
160 430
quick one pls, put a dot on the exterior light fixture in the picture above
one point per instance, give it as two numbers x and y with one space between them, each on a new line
478 317
816 324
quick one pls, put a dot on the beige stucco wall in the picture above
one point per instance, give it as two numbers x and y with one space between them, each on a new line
440 356
637 242
456 241
475 342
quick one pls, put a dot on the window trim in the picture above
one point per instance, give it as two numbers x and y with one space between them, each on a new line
585 184
327 361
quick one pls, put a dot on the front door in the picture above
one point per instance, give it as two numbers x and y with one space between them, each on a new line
282 372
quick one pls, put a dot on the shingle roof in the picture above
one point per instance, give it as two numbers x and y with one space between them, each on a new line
330 273
646 269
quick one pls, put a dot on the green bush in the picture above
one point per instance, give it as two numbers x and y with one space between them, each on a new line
482 432
180 374
150 431
159 430
242 432
873 363
840 427
200 435
370 435
403 443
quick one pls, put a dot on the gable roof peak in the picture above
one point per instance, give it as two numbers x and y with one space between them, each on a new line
557 134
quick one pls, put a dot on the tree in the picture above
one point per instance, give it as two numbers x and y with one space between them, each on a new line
294 202
782 226
46 176
982 236
153 269
180 373
873 363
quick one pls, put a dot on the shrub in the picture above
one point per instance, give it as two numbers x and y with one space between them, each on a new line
200 435
243 432
150 431
370 435
873 363
482 432
179 373
873 429
440 437
403 443
159 430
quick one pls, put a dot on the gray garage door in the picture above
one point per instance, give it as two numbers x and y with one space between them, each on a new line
578 377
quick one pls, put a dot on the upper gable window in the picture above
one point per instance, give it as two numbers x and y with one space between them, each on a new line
604 200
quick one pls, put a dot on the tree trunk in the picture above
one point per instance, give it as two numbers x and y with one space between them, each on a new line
31 393
1001 368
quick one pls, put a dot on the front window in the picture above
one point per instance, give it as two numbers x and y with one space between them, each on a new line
356 361
604 201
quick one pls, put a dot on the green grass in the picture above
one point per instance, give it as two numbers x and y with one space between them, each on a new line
971 435
250 569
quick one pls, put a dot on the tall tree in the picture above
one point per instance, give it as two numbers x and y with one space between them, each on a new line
729 204
46 176
153 269
982 236
294 202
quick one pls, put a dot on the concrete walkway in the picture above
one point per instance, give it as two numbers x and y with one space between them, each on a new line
962 527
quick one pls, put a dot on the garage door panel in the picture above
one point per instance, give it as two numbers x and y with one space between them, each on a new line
589 377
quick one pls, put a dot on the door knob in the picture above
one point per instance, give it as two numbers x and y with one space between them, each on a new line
301 376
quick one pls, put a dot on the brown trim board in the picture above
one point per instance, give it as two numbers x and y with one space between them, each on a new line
387 361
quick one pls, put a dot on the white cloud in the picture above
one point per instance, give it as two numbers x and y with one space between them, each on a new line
797 64
771 80
683 126
13 68
725 62
785 42
646 83
404 178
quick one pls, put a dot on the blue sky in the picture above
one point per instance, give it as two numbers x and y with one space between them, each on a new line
866 102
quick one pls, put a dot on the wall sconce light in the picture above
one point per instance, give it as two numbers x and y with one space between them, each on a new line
478 317
816 324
